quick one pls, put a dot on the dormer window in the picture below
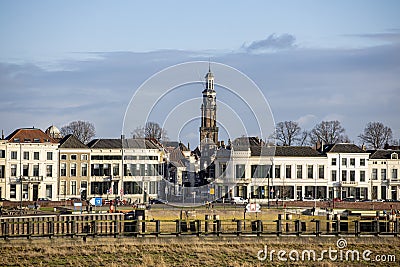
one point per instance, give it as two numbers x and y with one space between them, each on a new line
36 140
27 140
16 140
395 156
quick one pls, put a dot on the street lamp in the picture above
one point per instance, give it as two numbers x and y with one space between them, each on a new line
20 174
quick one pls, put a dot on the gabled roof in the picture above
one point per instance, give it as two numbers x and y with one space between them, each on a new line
296 151
382 154
175 144
128 143
105 143
29 135
71 141
342 148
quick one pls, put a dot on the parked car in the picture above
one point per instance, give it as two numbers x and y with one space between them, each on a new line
308 199
157 201
3 199
44 199
239 201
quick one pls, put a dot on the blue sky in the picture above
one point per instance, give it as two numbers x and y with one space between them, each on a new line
314 60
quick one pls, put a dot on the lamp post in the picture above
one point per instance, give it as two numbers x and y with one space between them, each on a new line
20 174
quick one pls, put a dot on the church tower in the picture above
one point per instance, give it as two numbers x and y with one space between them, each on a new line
209 127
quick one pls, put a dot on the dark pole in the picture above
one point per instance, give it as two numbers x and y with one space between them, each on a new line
20 174
268 191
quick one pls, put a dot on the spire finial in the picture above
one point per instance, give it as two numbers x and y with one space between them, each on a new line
209 65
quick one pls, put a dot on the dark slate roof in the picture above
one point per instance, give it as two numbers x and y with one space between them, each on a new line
71 141
296 151
175 144
343 148
382 154
105 143
176 158
128 143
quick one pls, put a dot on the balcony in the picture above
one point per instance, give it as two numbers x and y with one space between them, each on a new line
349 183
27 179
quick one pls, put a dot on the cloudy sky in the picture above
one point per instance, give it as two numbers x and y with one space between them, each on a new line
62 61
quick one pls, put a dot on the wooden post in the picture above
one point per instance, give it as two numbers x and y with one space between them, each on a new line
238 227
278 227
157 227
178 227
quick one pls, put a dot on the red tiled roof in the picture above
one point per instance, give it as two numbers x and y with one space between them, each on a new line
29 135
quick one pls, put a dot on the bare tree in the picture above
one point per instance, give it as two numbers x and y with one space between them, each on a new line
83 130
376 135
304 136
329 132
150 130
287 132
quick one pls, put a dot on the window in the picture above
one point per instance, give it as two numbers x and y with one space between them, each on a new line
352 162
333 161
49 191
84 169
13 170
277 171
333 175
63 169
83 185
394 173
240 170
36 140
344 161
321 171
14 154
374 174
394 156
73 157
25 191
13 190
84 157
49 155
36 155
115 169
26 155
352 176
96 169
73 187
299 171
49 170
2 171
2 154
25 170
362 162
35 170
344 176
64 157
362 176
63 185
259 171
383 174
310 171
106 168
288 171
73 169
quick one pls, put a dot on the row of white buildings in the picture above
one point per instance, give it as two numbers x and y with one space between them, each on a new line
35 164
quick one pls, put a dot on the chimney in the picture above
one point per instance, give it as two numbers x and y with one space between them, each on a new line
223 144
2 134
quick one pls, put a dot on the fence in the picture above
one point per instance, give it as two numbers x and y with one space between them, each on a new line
119 225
